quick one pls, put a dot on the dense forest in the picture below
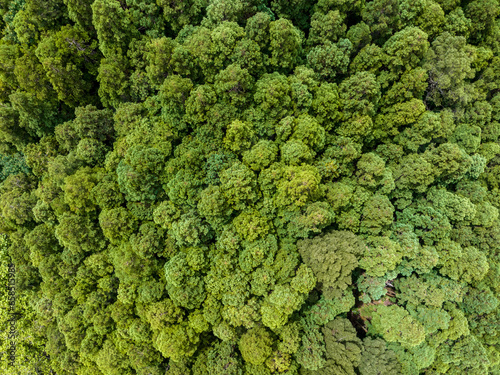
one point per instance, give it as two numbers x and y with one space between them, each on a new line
250 187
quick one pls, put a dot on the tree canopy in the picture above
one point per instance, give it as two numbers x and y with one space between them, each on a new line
250 187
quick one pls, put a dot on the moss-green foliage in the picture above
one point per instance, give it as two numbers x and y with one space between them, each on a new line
394 323
259 187
332 258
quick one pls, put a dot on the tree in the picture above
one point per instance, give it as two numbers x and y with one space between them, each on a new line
447 84
223 359
112 25
184 286
359 94
342 348
91 122
428 16
77 189
330 60
239 136
415 45
377 359
41 243
451 162
17 201
455 357
114 87
429 289
384 26
377 214
116 224
13 137
285 44
299 185
13 165
109 359
69 72
332 257
382 256
137 173
279 305
429 126
238 185
261 155
179 15
326 27
326 105
415 173
394 323
255 345
173 94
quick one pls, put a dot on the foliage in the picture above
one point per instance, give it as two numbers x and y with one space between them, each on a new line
250 186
